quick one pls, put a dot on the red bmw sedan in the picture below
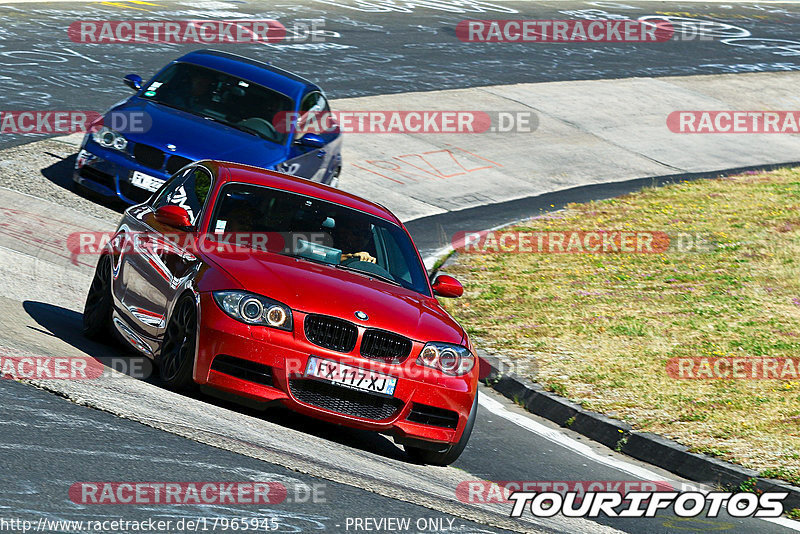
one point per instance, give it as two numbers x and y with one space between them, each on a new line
272 288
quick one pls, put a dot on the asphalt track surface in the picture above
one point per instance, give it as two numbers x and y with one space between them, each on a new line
48 443
369 47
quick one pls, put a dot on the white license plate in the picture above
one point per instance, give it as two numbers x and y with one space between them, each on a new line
145 181
351 377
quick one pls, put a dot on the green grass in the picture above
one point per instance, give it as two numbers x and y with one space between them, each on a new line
599 328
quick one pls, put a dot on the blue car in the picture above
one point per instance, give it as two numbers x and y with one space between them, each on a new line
207 105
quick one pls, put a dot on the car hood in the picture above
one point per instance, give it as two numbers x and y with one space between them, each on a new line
312 288
194 137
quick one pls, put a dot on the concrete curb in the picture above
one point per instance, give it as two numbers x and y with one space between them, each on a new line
620 436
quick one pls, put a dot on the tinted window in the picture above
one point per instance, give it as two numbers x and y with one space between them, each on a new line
322 232
311 103
188 191
163 195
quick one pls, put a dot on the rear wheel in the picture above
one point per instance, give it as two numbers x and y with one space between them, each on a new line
97 310
450 455
176 359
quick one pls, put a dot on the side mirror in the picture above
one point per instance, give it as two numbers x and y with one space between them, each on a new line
174 216
447 286
134 81
311 140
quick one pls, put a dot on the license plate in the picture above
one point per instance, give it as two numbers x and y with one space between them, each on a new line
145 181
351 377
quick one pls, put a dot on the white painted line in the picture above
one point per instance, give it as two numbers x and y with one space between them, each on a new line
784 522
559 438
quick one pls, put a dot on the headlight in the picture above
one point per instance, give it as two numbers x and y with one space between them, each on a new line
108 138
254 309
450 359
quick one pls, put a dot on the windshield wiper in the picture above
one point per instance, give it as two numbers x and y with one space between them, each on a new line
161 103
239 127
369 274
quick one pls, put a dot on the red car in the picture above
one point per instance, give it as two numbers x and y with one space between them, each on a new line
274 288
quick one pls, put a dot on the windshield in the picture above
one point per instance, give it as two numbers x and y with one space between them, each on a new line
320 231
217 96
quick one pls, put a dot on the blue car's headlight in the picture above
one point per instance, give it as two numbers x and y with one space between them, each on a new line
108 138
448 358
254 309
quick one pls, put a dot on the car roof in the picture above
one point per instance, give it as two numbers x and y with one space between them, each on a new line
238 172
253 70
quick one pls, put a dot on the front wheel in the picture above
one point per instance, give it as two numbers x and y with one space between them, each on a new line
97 310
450 455
176 358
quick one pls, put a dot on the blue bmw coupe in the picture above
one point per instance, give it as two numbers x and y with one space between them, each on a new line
207 105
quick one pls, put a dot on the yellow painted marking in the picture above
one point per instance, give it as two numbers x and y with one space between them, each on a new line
694 524
126 4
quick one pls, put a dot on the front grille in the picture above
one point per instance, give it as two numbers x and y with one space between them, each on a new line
331 333
137 194
243 369
343 400
148 156
385 346
176 163
431 415
102 178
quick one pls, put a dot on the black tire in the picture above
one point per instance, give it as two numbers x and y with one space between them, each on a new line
176 358
450 455
97 310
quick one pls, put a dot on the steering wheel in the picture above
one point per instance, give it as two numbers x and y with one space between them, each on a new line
261 125
367 267
350 261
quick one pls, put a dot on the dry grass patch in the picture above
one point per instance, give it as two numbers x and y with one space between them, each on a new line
599 328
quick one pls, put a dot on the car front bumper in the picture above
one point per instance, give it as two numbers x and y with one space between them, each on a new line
107 172
286 354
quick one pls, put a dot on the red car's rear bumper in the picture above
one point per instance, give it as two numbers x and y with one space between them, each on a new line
286 354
